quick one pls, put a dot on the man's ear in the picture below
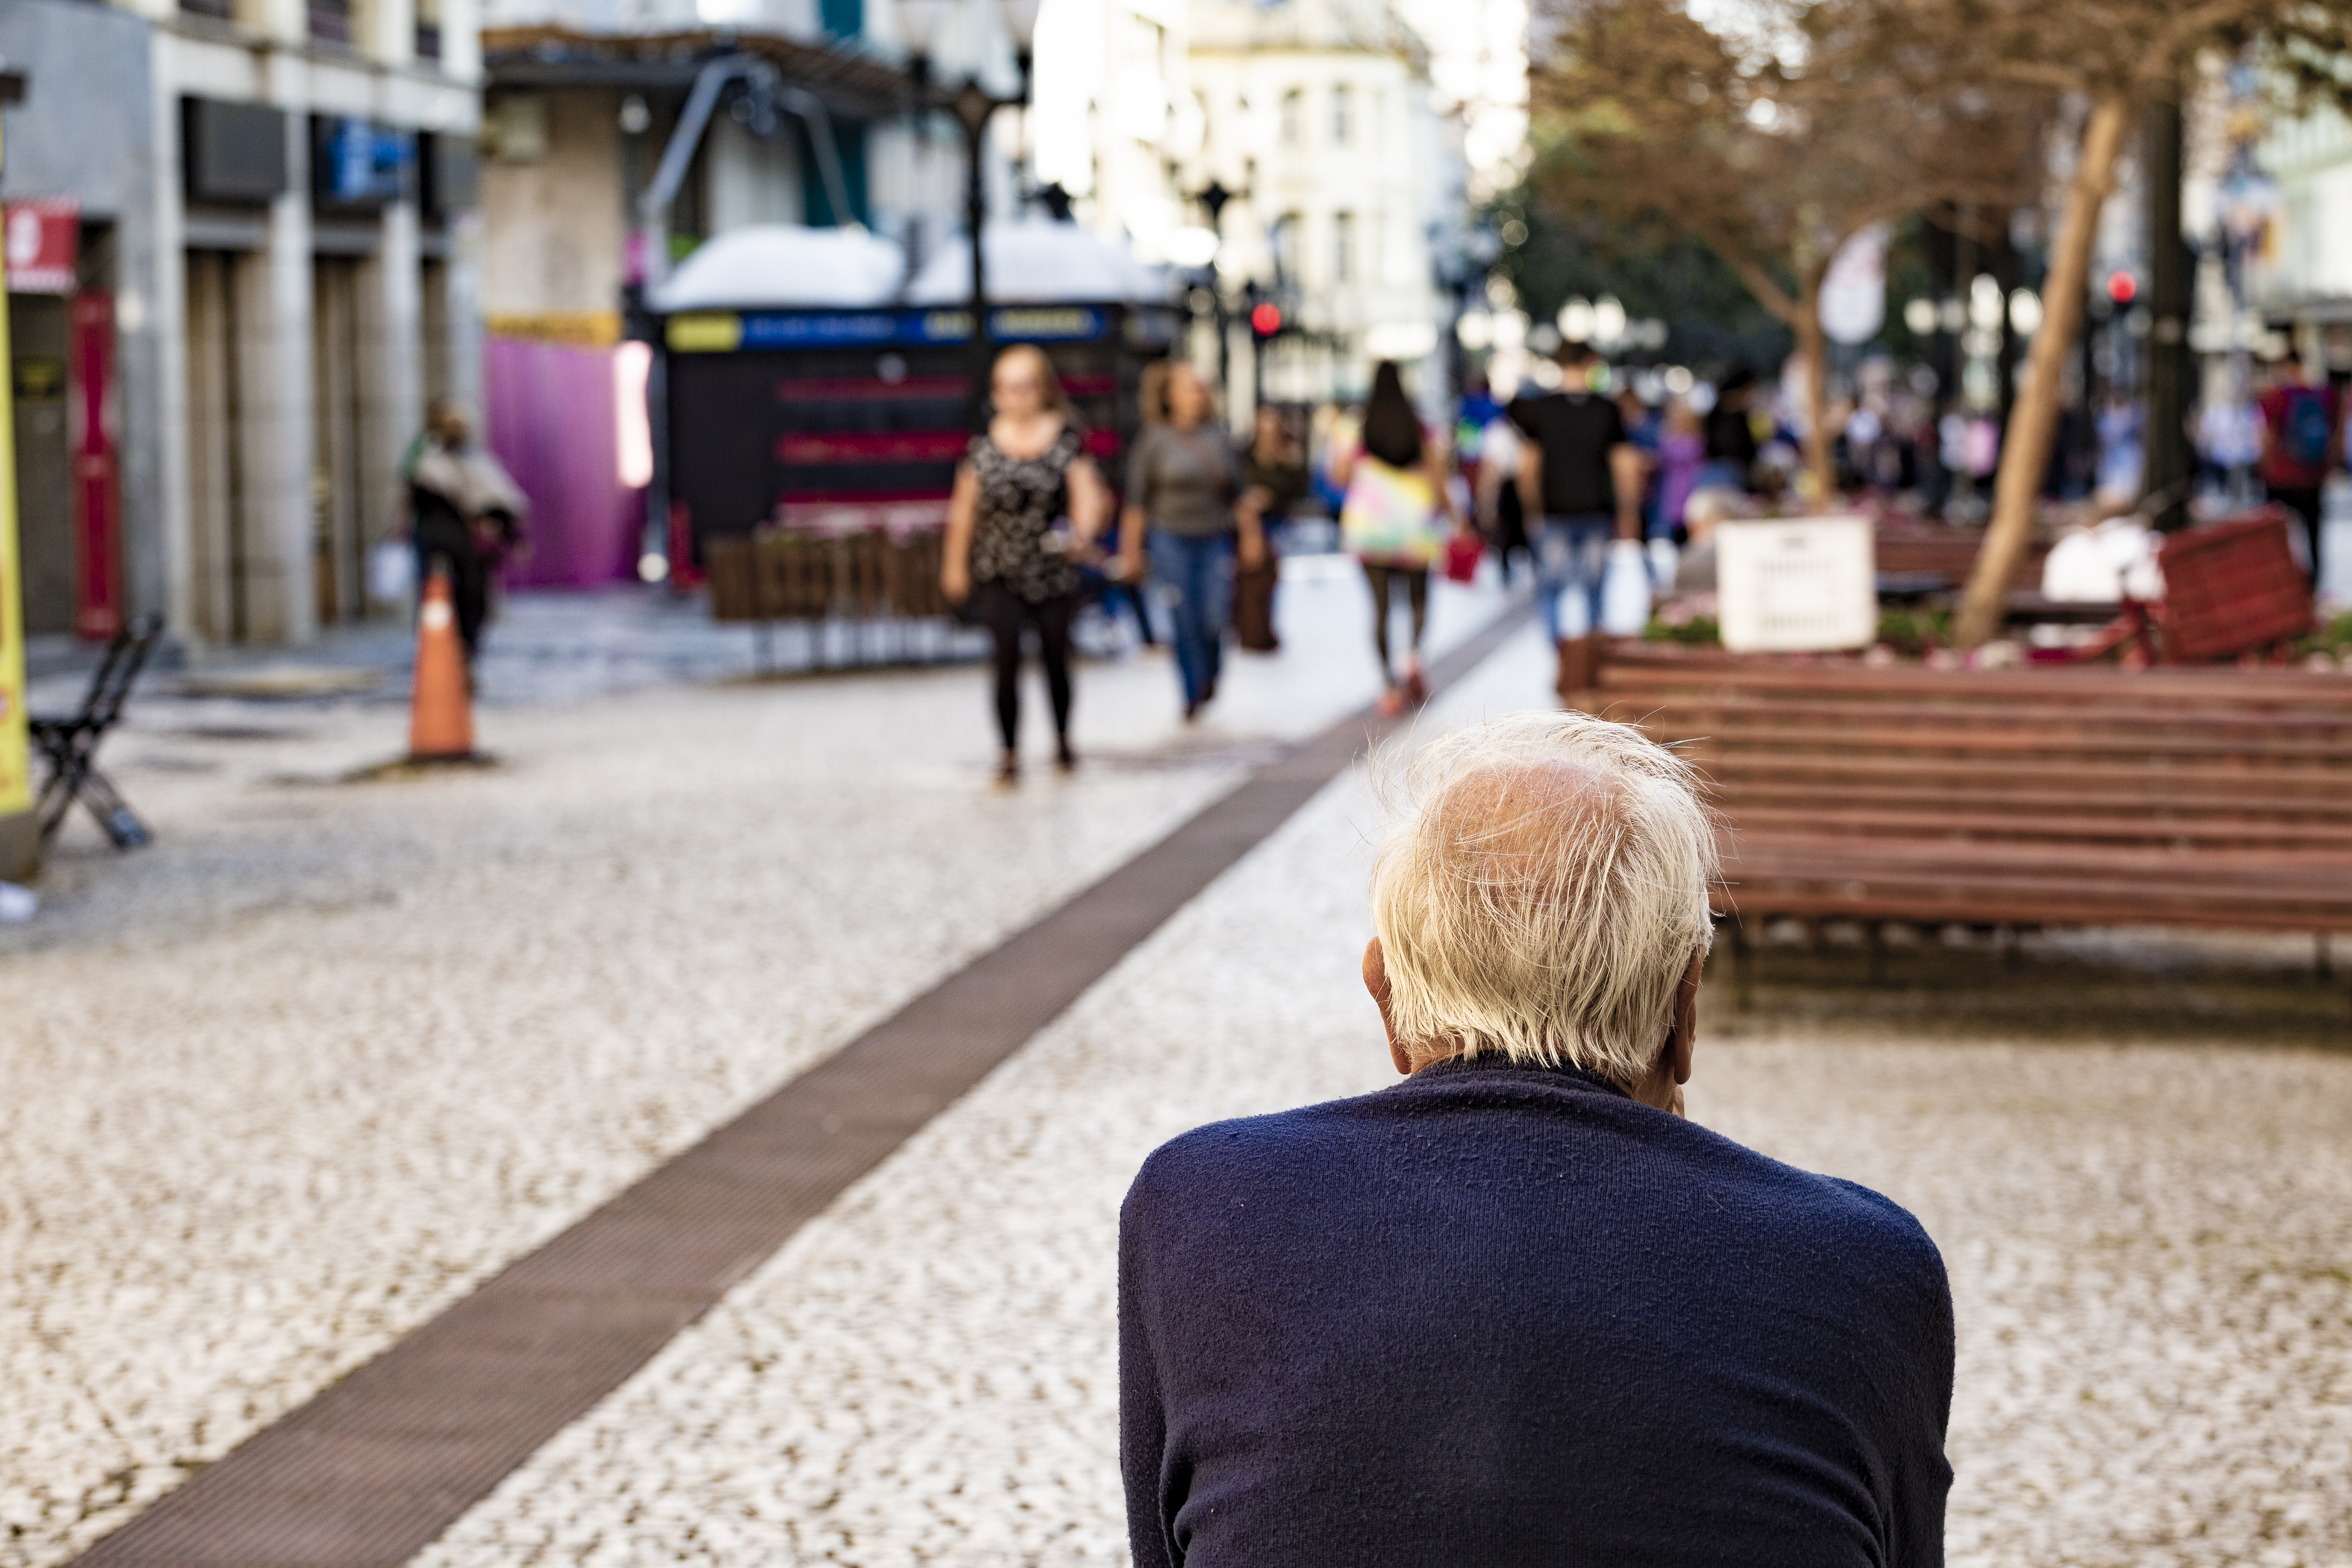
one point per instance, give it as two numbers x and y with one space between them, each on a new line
1376 980
1684 1042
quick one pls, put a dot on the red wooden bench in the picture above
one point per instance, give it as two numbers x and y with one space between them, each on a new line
2068 795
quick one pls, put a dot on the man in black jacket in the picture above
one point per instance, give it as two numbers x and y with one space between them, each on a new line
1515 1309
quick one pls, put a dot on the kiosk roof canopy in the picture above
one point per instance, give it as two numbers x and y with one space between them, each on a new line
1034 263
782 266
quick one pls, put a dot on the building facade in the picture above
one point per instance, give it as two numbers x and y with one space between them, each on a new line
1350 188
812 122
274 274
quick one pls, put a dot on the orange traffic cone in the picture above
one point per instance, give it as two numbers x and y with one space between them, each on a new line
440 716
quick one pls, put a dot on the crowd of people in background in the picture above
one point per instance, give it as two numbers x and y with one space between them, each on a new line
1586 473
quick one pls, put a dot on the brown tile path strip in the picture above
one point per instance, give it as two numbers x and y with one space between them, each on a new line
374 1467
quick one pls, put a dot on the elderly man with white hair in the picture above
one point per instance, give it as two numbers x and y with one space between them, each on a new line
1516 1310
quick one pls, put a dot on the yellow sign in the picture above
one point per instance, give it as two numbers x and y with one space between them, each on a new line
712 333
15 749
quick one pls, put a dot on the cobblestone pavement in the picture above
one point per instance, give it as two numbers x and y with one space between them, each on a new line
288 1083
2149 1230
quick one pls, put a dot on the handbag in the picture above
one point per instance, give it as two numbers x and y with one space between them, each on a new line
1463 553
1390 515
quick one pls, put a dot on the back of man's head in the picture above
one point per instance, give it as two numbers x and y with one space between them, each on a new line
1578 361
1542 893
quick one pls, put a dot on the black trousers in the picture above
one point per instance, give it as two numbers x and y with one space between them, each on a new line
469 582
2304 501
1006 613
1415 582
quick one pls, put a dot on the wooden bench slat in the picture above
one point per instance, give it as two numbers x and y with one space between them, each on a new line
1836 856
1896 742
1835 775
2155 719
1982 827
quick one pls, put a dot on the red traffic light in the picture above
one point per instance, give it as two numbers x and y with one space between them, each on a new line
2122 288
1266 320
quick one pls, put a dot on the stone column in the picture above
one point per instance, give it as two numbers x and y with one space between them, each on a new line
392 369
277 404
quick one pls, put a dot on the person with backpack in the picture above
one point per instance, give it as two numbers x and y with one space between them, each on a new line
1395 473
2300 444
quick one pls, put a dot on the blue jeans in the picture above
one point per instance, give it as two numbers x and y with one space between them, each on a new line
1194 577
1572 554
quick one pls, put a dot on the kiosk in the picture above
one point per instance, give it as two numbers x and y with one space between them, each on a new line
810 443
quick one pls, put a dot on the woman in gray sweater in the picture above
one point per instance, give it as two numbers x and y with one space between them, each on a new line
1186 499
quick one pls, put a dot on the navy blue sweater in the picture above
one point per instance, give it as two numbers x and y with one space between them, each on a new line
1499 1315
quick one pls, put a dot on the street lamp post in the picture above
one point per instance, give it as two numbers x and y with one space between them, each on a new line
973 106
1213 198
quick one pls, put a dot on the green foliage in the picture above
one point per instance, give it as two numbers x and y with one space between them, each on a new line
1914 632
1698 631
2334 637
1908 632
1715 320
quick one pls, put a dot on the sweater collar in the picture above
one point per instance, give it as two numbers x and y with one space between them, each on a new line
1495 1062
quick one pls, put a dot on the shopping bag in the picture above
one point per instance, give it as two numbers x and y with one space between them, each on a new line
1253 605
1625 590
391 571
1461 554
1391 515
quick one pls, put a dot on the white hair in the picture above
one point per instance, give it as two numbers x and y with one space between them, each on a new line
1541 891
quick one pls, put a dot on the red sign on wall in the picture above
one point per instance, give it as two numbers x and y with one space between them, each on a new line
41 240
97 480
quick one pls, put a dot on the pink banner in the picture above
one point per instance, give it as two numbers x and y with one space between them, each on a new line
551 421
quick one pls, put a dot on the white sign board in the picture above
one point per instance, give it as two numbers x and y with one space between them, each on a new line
1797 585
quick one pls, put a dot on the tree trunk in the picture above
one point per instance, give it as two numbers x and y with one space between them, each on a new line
2033 421
1813 343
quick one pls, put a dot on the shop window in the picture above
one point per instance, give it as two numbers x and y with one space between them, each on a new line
1284 241
842 19
331 21
849 140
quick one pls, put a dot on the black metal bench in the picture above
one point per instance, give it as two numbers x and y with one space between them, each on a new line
70 743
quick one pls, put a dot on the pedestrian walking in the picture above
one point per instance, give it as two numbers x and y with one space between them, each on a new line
1730 433
1028 504
2299 444
1276 472
1682 452
466 514
1395 472
1188 504
1581 474
1502 514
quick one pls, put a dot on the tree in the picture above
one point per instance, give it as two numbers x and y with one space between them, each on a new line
1652 270
2109 58
1774 145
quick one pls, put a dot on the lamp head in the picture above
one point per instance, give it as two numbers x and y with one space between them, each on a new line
918 24
1021 22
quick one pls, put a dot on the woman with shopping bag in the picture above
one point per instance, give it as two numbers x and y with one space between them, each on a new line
1394 474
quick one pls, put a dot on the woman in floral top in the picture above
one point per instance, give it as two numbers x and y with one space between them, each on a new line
1028 503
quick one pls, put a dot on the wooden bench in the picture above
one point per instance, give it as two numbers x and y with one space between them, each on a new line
2082 796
